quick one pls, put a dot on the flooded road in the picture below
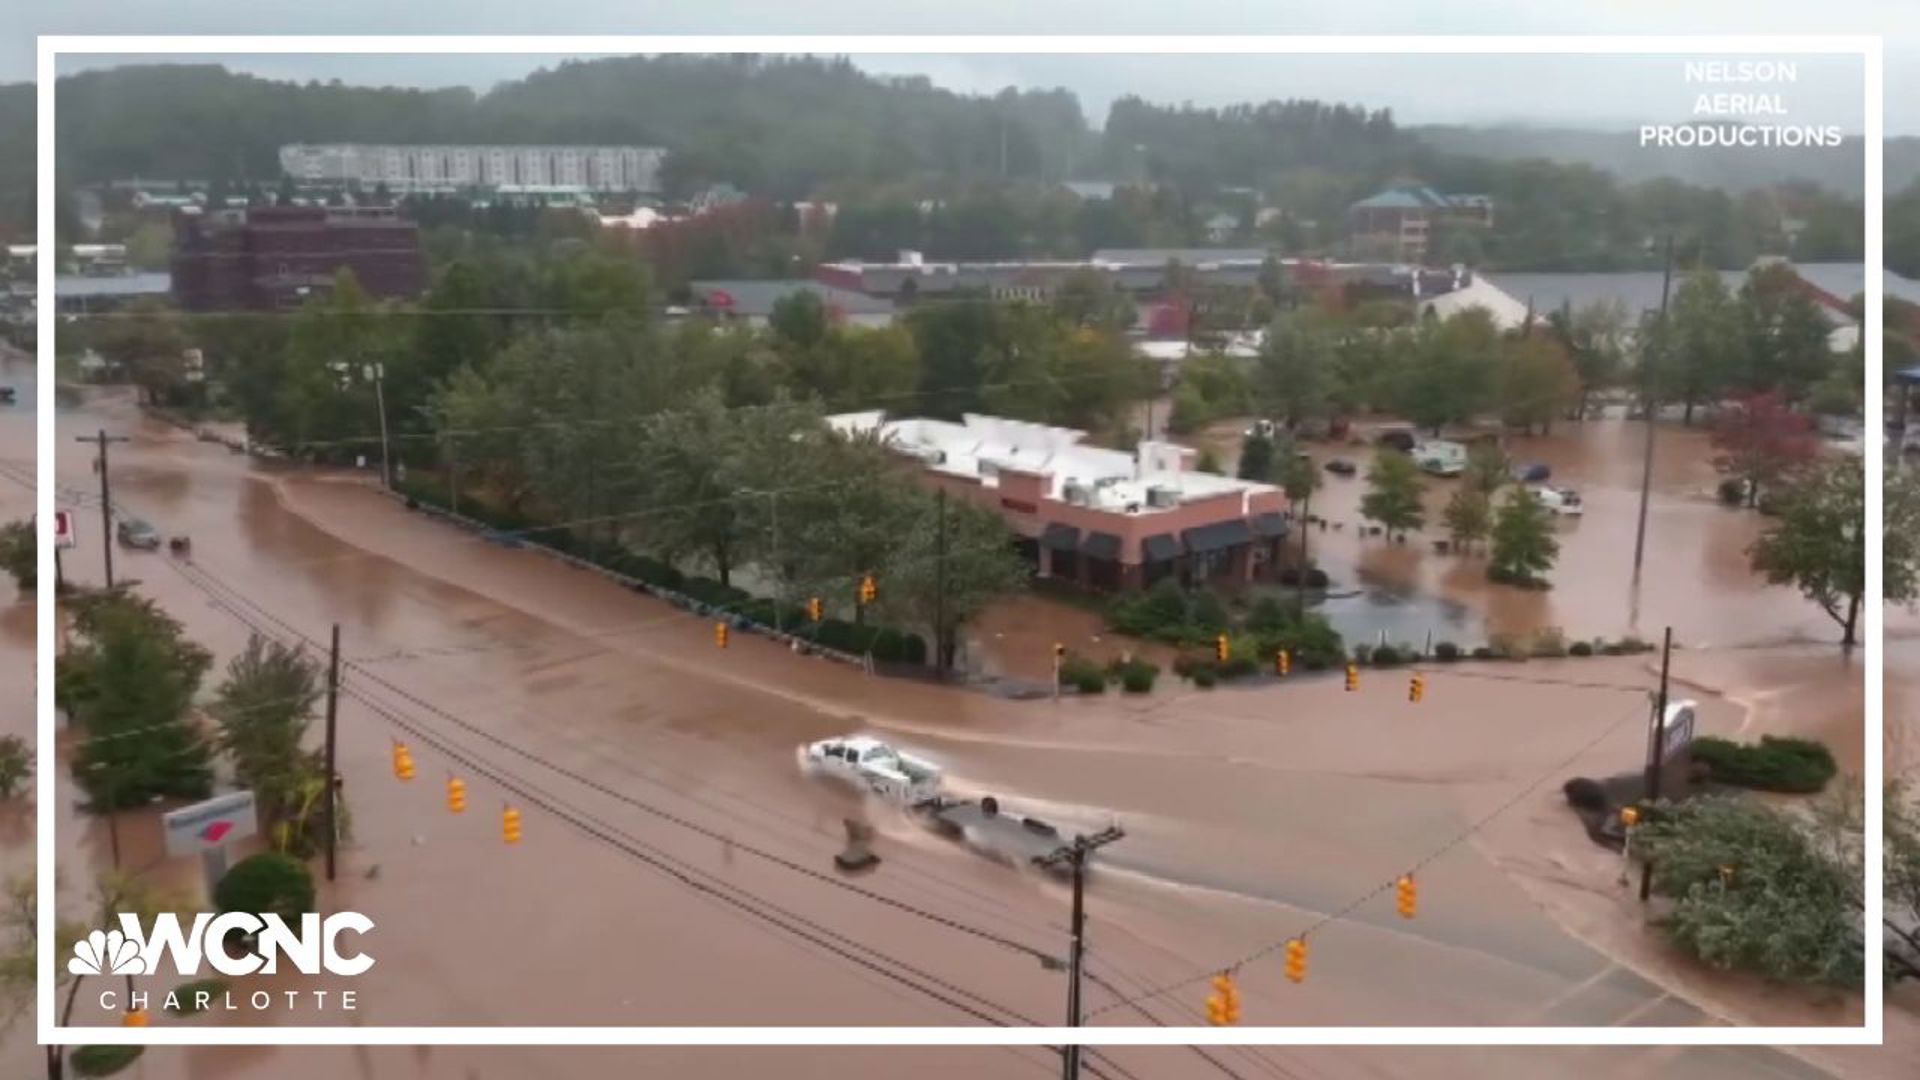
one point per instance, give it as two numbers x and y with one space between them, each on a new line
658 772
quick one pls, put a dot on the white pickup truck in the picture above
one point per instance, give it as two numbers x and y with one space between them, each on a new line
872 764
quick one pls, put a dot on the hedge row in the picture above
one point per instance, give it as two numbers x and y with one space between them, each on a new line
884 644
1801 766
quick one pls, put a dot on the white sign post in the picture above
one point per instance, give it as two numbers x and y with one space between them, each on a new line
206 828
1676 729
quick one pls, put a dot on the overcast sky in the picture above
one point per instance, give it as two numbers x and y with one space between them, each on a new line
1612 92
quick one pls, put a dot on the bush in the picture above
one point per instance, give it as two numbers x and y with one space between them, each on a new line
1733 491
1316 578
1549 642
1507 647
1204 678
266 883
1137 676
1800 766
92 1061
1482 652
1083 675
1446 651
1387 656
1581 648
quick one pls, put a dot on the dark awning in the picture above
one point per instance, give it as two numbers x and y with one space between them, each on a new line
1160 547
1218 536
1100 545
1061 537
1270 525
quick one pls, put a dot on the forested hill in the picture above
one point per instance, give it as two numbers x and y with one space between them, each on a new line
792 128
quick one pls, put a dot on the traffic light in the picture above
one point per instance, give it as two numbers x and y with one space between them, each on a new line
1726 875
720 634
1297 959
1283 662
1059 653
1408 900
402 761
1353 677
1223 1005
134 1018
1416 689
456 795
510 825
1629 816
1222 648
816 610
868 590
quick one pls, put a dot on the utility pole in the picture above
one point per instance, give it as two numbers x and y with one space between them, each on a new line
940 584
1075 856
1656 756
1649 400
106 496
779 564
333 713
453 473
378 372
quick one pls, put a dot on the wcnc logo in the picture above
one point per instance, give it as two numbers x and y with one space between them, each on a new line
313 950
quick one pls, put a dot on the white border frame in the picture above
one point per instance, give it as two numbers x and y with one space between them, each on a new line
1869 48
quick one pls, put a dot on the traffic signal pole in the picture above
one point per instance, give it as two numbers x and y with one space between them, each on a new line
1656 758
333 712
1075 855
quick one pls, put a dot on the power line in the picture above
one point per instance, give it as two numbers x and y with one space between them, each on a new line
1343 912
801 926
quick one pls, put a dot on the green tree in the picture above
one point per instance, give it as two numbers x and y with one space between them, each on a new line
1536 382
798 321
1256 458
1816 543
1393 495
1761 441
15 764
1694 360
1524 546
19 553
1488 469
979 566
1901 546
1448 375
129 683
1293 379
1468 516
1760 889
1782 333
263 709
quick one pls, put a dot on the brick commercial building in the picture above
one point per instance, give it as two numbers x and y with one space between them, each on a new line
1398 223
1105 519
277 257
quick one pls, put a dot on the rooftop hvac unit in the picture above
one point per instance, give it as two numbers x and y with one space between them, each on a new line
1076 493
1162 497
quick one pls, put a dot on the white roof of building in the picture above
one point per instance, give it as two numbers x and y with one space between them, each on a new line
1508 313
1114 480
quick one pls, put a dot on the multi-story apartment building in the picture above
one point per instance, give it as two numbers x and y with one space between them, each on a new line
1398 223
497 168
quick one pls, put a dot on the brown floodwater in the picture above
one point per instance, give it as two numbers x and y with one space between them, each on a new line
1250 814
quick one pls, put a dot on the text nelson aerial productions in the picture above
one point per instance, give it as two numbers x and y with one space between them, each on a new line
1753 116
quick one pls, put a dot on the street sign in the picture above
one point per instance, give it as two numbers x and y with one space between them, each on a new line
1677 728
211 825
63 529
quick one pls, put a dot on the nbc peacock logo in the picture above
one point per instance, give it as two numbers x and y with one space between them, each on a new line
106 952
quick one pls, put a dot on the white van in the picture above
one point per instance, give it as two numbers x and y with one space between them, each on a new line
1441 458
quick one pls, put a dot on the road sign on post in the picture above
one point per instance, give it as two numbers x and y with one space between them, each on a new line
63 535
1676 729
206 828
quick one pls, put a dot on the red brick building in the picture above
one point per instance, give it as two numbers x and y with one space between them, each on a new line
277 257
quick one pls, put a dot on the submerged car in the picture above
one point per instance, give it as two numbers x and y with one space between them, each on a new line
1341 467
1560 500
135 533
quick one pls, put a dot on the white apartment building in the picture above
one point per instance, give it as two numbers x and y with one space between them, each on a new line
542 169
